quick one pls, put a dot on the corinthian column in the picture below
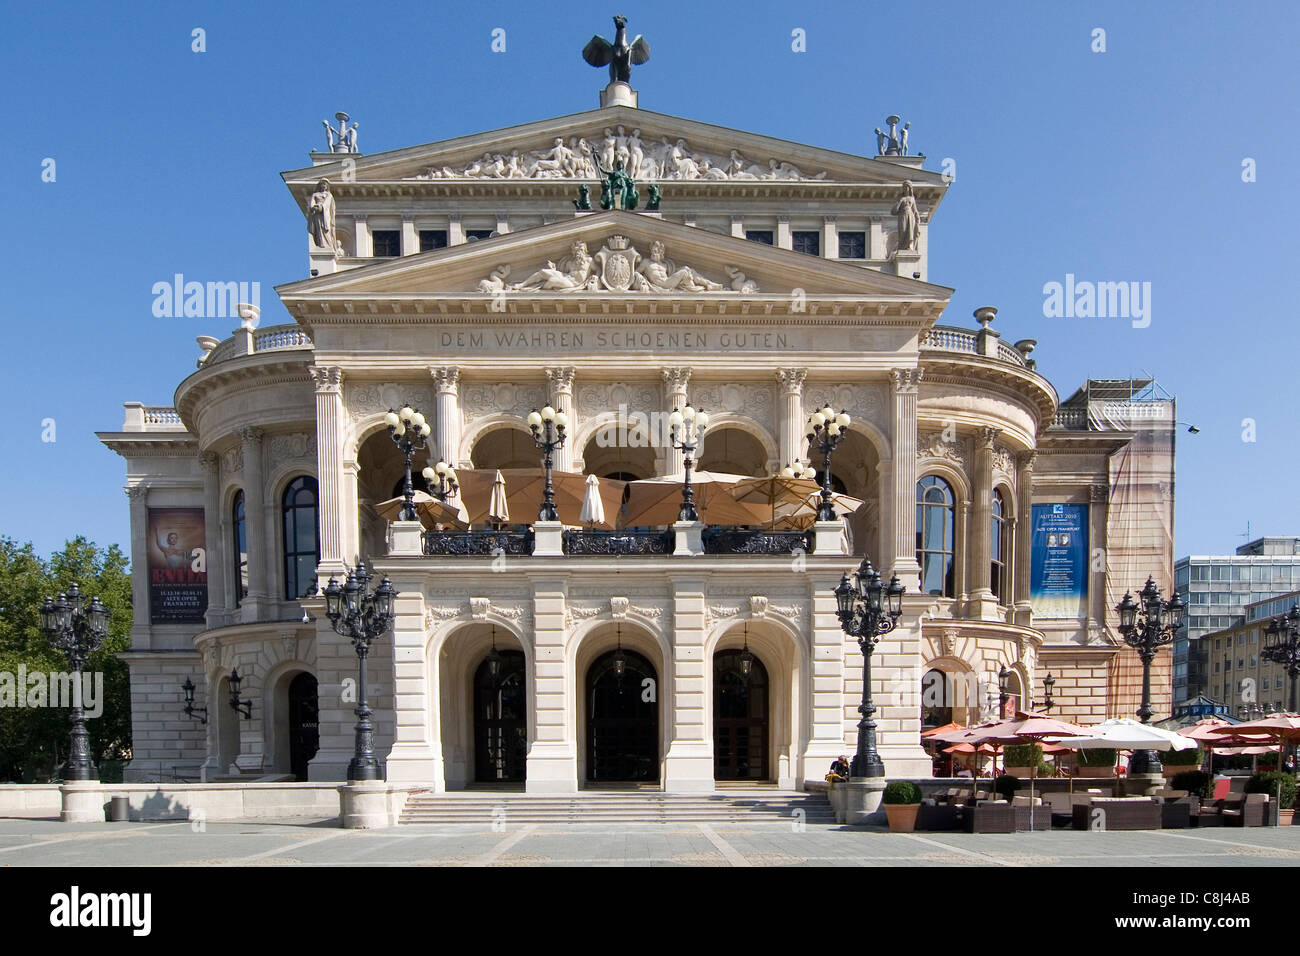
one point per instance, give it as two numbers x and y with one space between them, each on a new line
255 602
675 382
1024 535
793 447
329 467
980 582
446 414
210 463
561 386
906 384
140 616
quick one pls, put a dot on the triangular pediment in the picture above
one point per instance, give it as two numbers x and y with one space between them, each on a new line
634 256
667 149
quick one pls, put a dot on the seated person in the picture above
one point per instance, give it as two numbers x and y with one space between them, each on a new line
839 771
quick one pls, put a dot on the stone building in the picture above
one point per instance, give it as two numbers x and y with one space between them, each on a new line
770 278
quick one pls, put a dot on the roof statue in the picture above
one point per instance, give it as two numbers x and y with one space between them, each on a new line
343 139
893 143
619 55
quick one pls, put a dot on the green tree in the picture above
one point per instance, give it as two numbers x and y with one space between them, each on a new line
34 740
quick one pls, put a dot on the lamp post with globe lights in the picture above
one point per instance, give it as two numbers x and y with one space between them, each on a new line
868 609
687 426
1146 627
409 431
826 429
548 427
362 616
78 629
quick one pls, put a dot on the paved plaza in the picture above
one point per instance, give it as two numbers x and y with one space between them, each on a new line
323 843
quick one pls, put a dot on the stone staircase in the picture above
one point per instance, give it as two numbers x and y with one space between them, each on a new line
484 807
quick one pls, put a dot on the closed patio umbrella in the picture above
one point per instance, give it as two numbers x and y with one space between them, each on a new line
524 490
593 508
498 508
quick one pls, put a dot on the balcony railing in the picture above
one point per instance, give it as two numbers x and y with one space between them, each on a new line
463 543
640 541
742 541
273 338
946 338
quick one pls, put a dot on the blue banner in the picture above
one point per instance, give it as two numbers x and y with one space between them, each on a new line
1058 575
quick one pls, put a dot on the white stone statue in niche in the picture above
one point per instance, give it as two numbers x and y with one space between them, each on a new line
320 219
909 220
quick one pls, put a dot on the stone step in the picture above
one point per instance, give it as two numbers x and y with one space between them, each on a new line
617 807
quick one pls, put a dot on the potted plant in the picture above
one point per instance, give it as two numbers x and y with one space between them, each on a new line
1271 782
1175 762
1018 759
1099 762
902 800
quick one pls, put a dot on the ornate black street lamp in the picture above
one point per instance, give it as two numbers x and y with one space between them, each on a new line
190 709
237 703
362 617
826 430
1004 690
687 426
867 610
441 479
78 630
1147 627
548 427
1282 646
1047 703
409 431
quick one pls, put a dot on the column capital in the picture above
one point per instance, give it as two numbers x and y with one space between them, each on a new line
326 378
209 462
792 379
561 379
137 492
676 379
1025 461
905 380
446 378
986 438
1098 492
250 435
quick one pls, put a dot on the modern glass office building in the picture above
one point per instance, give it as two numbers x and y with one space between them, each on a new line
1217 589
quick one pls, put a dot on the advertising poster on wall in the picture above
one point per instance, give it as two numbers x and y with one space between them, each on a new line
1058 583
178 571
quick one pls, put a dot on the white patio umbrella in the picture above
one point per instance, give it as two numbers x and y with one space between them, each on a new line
593 508
1125 733
498 511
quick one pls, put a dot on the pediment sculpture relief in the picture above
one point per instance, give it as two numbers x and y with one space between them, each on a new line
617 267
645 161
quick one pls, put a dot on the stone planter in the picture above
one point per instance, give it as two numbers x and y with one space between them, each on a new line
1095 772
836 796
1284 817
902 816
1021 772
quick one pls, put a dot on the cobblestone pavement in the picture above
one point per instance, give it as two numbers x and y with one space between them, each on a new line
322 843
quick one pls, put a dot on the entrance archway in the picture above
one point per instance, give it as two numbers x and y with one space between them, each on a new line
740 717
501 719
622 719
304 724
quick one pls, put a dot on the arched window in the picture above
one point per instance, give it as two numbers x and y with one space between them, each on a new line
934 535
301 536
240 540
997 549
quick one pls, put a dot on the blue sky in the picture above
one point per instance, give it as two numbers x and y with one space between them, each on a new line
1117 166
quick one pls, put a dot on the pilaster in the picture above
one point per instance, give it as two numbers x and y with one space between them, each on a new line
552 756
446 425
328 381
688 765
1024 536
983 603
210 463
256 602
561 387
676 381
906 386
793 446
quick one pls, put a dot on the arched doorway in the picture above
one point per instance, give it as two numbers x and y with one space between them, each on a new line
740 717
304 724
500 718
732 451
622 719
936 699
